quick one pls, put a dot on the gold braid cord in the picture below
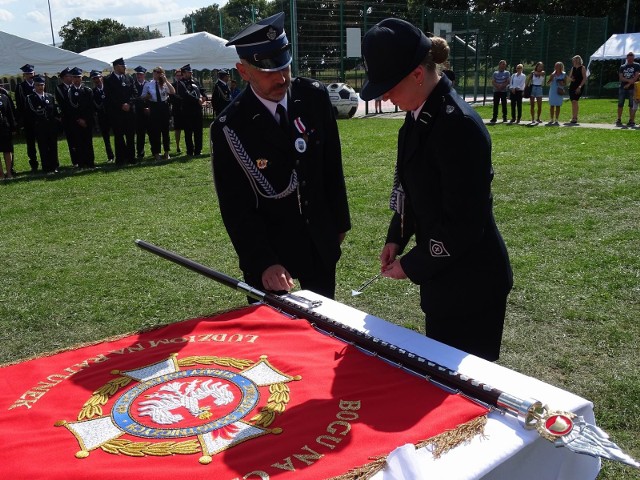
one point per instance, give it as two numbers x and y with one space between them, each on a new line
440 445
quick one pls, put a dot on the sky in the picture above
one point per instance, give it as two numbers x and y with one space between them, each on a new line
30 18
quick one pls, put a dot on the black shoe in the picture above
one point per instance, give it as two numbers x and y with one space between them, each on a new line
178 151
493 120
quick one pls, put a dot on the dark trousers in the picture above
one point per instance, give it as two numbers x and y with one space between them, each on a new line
123 124
497 98
159 127
193 131
142 127
516 103
30 138
47 140
82 138
69 126
105 127
479 333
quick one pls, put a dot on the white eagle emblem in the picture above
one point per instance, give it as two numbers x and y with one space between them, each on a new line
161 407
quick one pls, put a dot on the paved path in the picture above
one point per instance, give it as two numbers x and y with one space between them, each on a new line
389 112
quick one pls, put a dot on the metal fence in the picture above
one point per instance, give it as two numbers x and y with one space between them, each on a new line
318 31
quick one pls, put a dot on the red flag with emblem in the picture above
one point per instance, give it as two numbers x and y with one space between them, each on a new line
245 394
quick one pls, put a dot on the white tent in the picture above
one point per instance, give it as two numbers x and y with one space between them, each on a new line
617 47
201 50
17 51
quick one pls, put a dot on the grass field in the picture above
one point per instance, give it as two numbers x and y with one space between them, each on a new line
566 201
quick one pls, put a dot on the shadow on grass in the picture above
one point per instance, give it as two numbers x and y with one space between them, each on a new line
65 172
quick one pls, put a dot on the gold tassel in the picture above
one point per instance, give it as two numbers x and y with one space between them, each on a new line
440 444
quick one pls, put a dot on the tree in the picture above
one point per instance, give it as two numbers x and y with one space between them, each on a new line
79 34
226 21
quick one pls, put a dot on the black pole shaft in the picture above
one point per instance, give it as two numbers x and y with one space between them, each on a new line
449 378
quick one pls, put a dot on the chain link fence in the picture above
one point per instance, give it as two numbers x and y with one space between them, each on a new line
478 41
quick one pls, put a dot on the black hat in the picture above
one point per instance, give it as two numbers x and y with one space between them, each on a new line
119 61
64 72
264 44
223 73
186 68
391 50
27 68
75 72
140 69
95 73
38 79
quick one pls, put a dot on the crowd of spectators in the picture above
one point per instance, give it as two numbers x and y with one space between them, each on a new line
561 84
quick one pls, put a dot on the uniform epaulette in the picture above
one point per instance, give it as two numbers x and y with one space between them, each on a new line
229 111
451 105
311 83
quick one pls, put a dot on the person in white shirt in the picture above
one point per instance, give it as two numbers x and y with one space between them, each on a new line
156 93
516 88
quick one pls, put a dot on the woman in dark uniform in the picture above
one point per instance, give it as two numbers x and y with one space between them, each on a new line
442 193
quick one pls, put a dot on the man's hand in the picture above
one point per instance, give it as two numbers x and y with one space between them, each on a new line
276 278
389 265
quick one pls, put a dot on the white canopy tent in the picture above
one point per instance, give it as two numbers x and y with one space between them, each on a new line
617 47
201 50
17 51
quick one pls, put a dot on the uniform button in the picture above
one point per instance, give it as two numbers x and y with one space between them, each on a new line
307 221
304 183
297 163
306 202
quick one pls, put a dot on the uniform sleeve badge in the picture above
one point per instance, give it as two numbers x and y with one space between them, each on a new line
262 163
437 249
450 109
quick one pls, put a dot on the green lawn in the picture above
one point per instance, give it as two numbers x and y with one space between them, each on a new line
566 201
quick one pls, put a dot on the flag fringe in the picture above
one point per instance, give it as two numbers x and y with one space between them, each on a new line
438 445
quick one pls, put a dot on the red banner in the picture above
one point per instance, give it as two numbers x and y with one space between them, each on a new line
246 394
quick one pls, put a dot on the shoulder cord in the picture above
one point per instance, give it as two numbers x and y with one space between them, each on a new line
256 179
41 112
71 102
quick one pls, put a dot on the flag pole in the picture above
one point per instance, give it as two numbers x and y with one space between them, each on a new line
563 429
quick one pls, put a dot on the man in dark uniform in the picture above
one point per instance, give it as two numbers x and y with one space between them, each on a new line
193 97
141 107
7 129
81 117
119 95
277 168
68 125
22 91
221 95
43 112
99 105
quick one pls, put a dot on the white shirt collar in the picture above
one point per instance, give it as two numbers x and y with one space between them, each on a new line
416 112
271 106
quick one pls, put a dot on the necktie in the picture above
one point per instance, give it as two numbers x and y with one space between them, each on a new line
158 97
284 121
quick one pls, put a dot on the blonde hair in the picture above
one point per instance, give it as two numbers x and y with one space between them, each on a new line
577 57
438 54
